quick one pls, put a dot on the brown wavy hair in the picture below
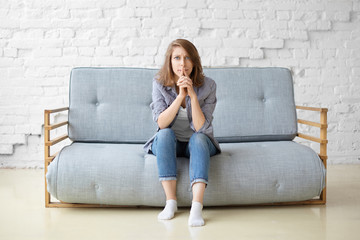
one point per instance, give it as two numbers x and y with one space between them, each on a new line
166 75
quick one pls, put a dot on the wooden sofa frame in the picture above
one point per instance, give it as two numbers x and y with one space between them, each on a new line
322 141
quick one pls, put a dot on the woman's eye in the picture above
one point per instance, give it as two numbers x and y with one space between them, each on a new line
177 58
187 58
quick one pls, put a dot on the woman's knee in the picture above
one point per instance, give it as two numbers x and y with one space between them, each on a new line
198 138
166 134
199 142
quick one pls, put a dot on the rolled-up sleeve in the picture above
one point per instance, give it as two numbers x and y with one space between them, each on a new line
158 104
208 108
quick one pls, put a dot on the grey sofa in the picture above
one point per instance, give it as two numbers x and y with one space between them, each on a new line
255 121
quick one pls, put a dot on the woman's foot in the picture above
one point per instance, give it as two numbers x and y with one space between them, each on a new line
169 210
195 218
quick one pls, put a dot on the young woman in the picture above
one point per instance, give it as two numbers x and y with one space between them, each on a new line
183 104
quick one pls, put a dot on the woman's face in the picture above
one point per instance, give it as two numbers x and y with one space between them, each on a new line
180 60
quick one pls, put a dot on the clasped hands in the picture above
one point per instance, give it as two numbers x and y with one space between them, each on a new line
185 85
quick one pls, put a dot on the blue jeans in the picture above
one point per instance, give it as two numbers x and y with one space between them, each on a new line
199 149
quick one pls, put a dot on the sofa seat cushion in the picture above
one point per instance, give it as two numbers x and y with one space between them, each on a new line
244 173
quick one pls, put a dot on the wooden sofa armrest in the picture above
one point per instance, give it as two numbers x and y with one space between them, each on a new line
322 139
48 142
47 128
323 130
312 108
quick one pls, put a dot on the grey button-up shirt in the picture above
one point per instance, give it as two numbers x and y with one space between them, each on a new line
163 97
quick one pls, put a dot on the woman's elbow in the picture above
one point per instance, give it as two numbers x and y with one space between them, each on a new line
199 126
161 125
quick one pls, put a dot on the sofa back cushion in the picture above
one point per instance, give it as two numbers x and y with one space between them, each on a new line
112 104
254 104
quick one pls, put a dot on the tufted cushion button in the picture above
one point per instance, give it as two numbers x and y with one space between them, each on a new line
264 100
96 186
97 103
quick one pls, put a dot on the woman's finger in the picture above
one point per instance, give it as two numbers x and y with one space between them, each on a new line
188 80
185 81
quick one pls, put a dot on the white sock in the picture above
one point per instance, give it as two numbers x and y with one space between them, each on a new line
195 219
169 210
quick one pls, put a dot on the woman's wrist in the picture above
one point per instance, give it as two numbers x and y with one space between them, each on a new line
193 96
180 97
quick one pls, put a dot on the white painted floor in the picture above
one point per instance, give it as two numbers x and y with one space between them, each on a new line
23 215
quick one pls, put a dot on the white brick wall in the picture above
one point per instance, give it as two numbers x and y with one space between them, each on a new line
41 41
